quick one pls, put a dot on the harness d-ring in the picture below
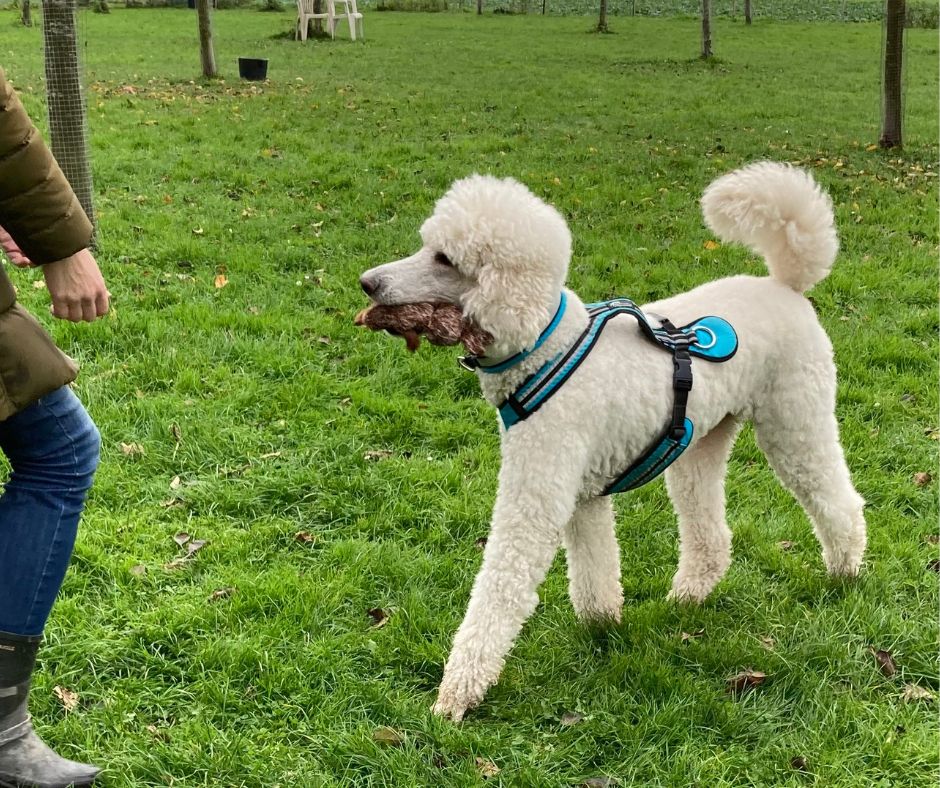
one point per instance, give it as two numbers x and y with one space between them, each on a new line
697 327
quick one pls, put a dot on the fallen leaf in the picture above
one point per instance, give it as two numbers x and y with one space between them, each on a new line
711 245
689 636
379 617
600 782
914 693
154 731
176 432
921 478
192 548
744 681
487 768
181 538
799 764
198 231
934 566
175 482
480 543
221 593
786 544
768 642
221 281
570 718
325 341
885 661
132 449
377 454
138 570
68 698
304 537
933 538
388 737
270 455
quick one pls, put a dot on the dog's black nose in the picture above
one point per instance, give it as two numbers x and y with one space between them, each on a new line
369 285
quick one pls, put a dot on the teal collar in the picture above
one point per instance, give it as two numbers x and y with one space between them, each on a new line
478 362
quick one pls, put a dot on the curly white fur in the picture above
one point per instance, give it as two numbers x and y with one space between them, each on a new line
506 260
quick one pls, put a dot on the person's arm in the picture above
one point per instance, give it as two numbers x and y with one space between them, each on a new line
75 284
44 222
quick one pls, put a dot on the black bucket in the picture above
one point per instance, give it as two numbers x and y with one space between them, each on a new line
253 68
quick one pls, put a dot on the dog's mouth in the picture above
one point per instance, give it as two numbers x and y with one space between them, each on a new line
440 324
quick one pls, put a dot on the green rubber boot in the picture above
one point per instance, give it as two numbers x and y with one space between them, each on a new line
25 762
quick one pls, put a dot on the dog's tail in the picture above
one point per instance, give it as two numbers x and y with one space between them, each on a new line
781 213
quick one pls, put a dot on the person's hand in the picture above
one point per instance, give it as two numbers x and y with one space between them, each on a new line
77 288
12 251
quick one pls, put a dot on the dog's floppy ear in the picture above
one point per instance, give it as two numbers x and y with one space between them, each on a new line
515 246
513 301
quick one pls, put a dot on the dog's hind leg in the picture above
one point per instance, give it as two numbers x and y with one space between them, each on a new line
696 484
594 562
800 436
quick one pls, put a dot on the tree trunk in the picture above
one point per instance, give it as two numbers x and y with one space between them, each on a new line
747 12
706 28
65 100
27 14
205 39
894 58
479 7
602 19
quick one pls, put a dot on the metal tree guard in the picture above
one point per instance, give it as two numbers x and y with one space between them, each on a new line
68 127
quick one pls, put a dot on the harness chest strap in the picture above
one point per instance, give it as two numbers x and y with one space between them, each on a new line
711 338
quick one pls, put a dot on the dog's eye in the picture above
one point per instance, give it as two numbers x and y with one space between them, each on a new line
442 259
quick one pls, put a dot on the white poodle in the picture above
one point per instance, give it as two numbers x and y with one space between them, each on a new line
501 254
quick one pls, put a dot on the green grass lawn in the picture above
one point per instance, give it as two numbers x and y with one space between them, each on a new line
261 412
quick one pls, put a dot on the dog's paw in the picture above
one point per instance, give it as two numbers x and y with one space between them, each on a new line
690 590
843 557
452 705
462 688
598 618
845 566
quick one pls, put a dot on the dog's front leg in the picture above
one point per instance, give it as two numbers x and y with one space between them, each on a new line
525 535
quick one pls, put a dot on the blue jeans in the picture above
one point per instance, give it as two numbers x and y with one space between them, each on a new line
52 446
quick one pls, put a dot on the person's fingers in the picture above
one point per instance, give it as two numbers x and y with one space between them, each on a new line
65 309
89 310
12 250
102 303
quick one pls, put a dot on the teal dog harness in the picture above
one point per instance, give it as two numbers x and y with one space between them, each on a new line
710 338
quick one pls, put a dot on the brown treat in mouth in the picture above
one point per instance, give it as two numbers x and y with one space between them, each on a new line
441 324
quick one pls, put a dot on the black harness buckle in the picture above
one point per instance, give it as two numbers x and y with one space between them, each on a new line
681 378
469 363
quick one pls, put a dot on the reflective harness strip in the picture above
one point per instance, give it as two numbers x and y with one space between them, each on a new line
711 338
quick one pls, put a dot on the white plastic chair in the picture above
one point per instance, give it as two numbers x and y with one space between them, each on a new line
349 12
306 13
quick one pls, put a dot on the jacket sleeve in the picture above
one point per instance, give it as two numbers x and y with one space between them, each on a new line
37 205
